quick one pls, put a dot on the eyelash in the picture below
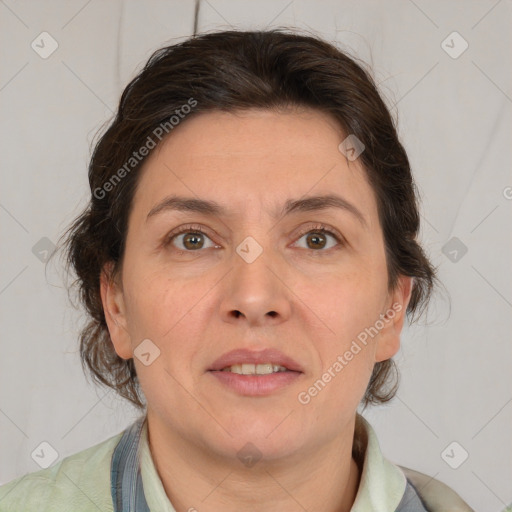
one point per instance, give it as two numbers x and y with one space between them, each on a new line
195 229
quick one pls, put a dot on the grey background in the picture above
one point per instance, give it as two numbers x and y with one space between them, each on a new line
454 118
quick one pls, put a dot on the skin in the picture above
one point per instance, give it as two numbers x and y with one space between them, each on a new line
309 302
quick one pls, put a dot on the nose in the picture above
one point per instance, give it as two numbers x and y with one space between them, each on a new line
256 292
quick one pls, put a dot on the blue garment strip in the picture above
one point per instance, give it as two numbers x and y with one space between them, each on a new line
125 477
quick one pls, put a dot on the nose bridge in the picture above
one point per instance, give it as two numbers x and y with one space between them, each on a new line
255 289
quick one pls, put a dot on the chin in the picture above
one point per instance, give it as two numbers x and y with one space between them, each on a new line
269 432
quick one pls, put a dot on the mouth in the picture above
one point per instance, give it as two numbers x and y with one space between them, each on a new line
250 373
255 369
250 362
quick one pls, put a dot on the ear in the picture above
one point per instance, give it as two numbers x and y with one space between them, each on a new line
388 341
112 299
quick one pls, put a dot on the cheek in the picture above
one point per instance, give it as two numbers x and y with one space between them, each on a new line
346 361
156 303
345 302
348 305
171 312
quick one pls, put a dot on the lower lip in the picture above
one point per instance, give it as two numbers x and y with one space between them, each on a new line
256 385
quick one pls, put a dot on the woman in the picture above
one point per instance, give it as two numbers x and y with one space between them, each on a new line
247 259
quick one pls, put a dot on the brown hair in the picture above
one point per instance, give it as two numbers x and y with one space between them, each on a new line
230 71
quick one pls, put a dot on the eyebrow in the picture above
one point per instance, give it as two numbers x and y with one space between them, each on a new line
212 208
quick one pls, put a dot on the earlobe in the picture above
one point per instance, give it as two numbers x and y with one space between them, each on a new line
115 313
388 342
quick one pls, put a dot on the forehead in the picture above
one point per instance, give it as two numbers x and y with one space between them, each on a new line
256 159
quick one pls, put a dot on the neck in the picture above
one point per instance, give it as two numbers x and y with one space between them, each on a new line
324 478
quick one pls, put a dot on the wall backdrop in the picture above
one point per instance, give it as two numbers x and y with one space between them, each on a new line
444 69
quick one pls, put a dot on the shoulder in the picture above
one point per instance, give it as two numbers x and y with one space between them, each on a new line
78 482
437 497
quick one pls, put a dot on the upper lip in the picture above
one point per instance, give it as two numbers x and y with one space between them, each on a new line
240 356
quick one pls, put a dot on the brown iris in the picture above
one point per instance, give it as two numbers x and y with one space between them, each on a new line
316 236
192 238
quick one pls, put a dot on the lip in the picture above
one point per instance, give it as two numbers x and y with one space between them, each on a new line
255 385
240 356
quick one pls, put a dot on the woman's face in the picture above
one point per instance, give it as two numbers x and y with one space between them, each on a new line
256 279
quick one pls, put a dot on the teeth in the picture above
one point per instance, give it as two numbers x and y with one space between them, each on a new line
255 369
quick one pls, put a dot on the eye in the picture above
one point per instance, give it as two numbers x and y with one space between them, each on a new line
191 239
318 237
